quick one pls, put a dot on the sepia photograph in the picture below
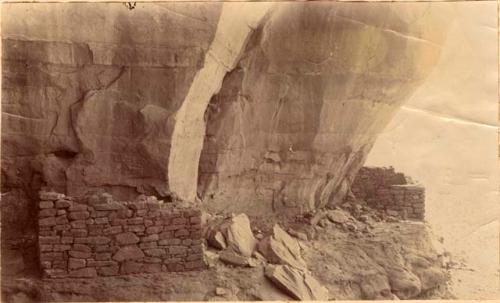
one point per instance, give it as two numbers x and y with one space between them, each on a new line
249 151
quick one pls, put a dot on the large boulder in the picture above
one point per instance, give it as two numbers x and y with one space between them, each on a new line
296 283
234 234
281 248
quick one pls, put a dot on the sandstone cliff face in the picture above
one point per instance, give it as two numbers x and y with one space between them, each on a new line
296 118
88 91
92 97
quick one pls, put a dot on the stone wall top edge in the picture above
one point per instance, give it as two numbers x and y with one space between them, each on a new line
143 200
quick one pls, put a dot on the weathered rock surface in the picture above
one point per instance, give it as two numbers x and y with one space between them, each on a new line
281 248
294 121
233 233
239 236
297 283
284 132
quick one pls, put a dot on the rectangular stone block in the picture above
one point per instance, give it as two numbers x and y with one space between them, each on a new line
77 232
78 215
61 247
150 238
154 252
79 254
154 229
62 220
74 263
102 256
78 207
135 221
63 204
112 230
50 196
47 212
49 221
101 263
167 242
103 220
135 228
66 240
46 204
45 247
82 248
78 224
148 245
174 250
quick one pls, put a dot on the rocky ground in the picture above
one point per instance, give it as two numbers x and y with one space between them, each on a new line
346 253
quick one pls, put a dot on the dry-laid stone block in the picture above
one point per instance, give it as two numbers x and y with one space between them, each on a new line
78 224
166 242
128 253
127 238
63 227
154 229
49 221
101 263
46 204
103 256
154 252
79 254
181 233
47 212
135 221
150 238
78 207
67 240
112 230
103 220
82 248
50 196
61 247
74 263
131 267
79 215
63 204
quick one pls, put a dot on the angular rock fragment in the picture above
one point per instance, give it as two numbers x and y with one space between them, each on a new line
337 216
296 283
217 240
230 257
239 236
281 248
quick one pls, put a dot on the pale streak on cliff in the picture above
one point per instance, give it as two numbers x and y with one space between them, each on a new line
236 23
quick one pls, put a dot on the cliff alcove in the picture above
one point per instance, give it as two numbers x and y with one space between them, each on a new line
255 116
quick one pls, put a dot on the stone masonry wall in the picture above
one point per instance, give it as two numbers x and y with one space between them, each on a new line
385 189
96 236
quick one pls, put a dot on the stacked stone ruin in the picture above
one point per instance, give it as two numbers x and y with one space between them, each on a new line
384 189
97 236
